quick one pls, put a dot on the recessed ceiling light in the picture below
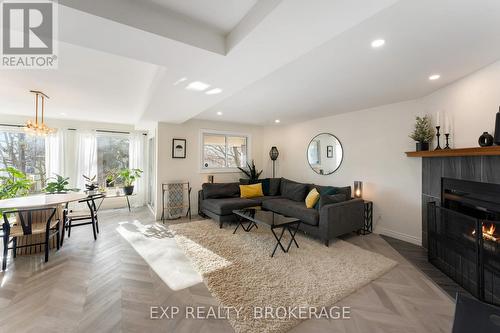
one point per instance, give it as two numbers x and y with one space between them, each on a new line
277 121
378 43
219 113
214 91
182 79
434 77
197 86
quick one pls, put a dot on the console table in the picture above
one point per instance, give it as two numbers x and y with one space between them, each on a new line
175 197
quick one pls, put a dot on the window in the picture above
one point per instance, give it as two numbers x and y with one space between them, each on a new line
24 152
224 150
112 155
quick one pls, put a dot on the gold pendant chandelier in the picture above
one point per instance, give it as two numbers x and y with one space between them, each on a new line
36 127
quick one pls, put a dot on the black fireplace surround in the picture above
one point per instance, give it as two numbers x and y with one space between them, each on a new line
463 235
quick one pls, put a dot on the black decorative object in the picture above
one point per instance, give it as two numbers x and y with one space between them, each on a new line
358 189
178 148
273 154
368 226
447 136
497 128
438 147
485 140
422 146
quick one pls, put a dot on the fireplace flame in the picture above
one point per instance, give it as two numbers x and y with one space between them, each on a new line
488 232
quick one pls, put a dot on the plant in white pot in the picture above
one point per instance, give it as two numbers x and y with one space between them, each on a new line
129 176
423 133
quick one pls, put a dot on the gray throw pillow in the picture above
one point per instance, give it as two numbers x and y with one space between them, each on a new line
331 199
293 190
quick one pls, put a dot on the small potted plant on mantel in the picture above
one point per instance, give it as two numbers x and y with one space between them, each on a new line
423 133
128 176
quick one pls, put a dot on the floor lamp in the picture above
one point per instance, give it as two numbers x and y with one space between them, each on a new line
273 154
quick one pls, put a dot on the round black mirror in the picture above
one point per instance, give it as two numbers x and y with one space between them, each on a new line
325 154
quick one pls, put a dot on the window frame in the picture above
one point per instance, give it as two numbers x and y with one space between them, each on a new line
98 134
225 169
38 185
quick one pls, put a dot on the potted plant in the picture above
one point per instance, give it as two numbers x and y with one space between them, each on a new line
423 133
128 176
58 185
110 178
251 173
14 184
90 184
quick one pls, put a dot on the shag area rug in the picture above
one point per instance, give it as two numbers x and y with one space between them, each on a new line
239 272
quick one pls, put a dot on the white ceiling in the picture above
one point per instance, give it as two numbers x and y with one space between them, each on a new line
286 59
221 14
89 86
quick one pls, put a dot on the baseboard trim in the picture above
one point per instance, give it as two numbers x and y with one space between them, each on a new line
400 236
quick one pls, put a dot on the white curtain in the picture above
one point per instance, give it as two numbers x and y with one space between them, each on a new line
54 154
138 160
86 156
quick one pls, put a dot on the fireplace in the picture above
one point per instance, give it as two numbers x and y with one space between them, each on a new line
464 236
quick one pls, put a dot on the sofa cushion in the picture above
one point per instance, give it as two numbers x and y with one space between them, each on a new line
220 190
225 206
293 190
274 186
293 208
260 200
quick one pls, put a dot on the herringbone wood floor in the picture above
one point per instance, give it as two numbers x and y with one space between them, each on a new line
105 286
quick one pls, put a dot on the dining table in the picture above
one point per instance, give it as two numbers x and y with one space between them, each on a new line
56 200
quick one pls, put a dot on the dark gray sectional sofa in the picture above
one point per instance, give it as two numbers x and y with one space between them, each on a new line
335 214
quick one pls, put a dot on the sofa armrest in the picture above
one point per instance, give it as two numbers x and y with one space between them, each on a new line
200 199
341 218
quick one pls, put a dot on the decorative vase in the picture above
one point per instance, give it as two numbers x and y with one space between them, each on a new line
422 146
486 139
497 128
128 190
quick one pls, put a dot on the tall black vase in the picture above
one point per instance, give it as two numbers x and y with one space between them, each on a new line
497 128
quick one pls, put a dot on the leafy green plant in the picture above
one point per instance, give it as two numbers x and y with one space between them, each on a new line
14 184
424 132
251 171
128 176
58 185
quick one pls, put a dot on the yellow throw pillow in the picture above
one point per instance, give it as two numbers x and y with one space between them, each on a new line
312 198
251 191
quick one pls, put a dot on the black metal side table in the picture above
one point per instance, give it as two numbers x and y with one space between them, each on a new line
368 227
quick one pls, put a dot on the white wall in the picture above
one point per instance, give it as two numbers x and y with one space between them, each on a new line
374 143
471 104
173 169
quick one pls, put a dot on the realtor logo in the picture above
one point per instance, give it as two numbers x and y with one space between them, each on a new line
29 34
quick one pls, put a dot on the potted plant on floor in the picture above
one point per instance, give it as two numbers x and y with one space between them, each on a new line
423 133
129 176
252 174
59 185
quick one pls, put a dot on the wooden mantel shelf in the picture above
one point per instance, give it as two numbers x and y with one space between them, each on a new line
477 151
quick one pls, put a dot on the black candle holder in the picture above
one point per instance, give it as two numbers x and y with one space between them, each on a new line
438 147
447 136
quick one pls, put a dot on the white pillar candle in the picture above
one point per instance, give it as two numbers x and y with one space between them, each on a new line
446 124
438 119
